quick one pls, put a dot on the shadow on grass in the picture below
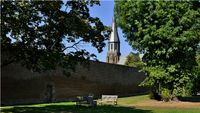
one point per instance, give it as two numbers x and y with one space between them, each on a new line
74 109
190 99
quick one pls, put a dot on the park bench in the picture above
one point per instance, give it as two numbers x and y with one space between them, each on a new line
109 99
85 101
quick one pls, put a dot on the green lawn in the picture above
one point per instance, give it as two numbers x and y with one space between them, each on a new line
132 100
69 107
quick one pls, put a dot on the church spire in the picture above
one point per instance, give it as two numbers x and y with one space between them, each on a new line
114 34
113 54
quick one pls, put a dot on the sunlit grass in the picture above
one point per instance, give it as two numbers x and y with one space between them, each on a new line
125 105
126 101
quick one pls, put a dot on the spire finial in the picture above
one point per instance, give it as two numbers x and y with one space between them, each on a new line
114 34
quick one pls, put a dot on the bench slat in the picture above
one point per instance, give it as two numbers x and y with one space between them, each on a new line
109 98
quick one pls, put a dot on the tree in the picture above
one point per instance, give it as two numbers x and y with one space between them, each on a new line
167 32
133 60
196 82
44 35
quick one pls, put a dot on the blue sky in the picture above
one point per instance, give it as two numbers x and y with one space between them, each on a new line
105 13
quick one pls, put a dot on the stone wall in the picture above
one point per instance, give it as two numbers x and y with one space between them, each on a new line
21 86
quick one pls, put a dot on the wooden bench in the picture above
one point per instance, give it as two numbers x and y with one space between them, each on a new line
85 100
109 99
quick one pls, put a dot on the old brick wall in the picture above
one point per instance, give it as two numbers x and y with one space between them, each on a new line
20 86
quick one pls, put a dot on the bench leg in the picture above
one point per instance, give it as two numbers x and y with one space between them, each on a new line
94 103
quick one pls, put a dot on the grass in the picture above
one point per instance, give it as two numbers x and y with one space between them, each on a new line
173 110
132 100
122 107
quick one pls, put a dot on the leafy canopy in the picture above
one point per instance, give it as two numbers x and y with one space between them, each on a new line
167 32
133 60
196 85
43 35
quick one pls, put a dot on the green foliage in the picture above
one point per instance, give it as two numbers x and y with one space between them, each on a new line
196 81
165 95
184 91
133 60
44 35
156 75
167 32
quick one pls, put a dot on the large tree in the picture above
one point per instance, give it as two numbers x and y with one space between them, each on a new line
43 35
167 32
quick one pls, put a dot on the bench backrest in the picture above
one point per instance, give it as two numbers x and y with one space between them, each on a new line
109 97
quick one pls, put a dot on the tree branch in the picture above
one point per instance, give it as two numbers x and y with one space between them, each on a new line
75 44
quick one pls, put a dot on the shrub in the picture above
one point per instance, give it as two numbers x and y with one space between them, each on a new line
165 95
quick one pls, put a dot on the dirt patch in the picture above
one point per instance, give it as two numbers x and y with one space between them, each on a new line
172 104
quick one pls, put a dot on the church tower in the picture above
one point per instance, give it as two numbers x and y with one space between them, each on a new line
113 54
